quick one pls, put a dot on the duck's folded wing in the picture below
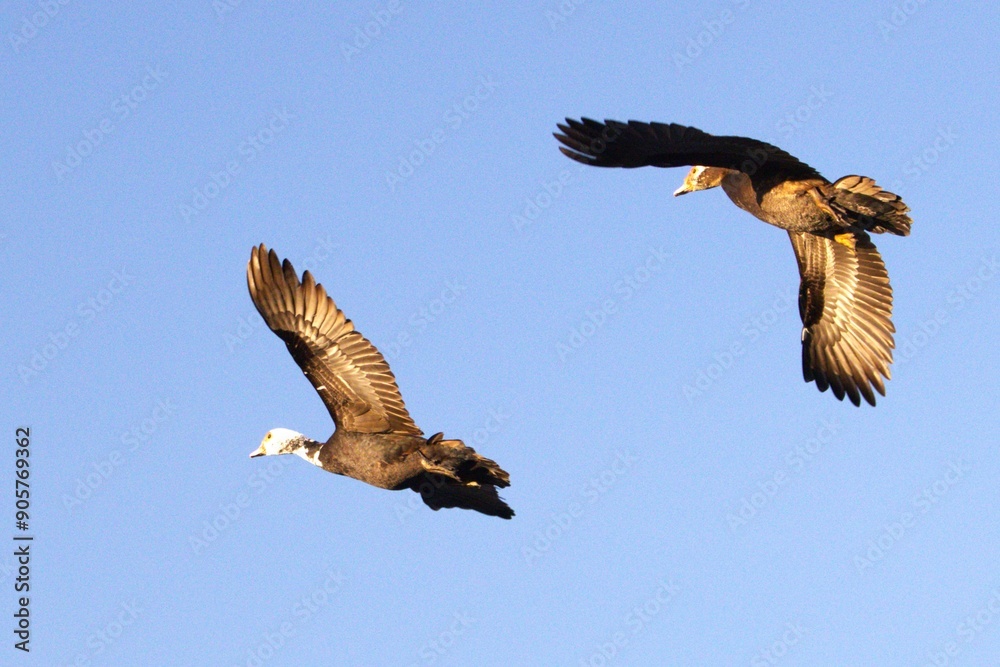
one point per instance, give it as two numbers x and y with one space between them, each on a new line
845 302
348 372
636 144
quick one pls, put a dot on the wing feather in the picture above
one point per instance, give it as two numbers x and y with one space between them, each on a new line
845 301
636 144
349 373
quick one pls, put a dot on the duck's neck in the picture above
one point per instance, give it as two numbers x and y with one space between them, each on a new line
310 451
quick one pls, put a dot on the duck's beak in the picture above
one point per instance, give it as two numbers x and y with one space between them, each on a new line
258 452
683 190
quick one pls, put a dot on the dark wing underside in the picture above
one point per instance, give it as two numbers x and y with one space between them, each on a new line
350 375
845 302
635 144
438 491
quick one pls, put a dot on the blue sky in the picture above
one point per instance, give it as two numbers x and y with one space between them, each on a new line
549 315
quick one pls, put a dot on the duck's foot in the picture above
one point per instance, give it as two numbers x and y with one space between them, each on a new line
845 239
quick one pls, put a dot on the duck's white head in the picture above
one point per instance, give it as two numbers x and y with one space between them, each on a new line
280 441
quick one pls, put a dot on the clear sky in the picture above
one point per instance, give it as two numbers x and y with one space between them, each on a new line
549 315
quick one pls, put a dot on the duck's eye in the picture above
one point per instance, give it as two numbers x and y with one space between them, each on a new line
268 437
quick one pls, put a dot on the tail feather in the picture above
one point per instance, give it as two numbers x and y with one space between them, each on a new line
456 476
870 207
452 458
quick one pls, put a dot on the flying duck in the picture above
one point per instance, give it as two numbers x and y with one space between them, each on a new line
375 440
845 300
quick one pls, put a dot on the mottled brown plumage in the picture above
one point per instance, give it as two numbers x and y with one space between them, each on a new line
375 440
844 296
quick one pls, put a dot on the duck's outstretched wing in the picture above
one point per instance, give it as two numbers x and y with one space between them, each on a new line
636 144
845 302
350 375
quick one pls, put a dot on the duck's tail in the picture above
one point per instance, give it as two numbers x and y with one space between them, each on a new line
456 476
870 207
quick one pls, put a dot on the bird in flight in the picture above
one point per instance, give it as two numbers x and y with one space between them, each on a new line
375 440
845 300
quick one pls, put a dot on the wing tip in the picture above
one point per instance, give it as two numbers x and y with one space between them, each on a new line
847 386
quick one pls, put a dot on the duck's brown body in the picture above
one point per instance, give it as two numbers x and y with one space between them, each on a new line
385 460
446 473
395 461
791 205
